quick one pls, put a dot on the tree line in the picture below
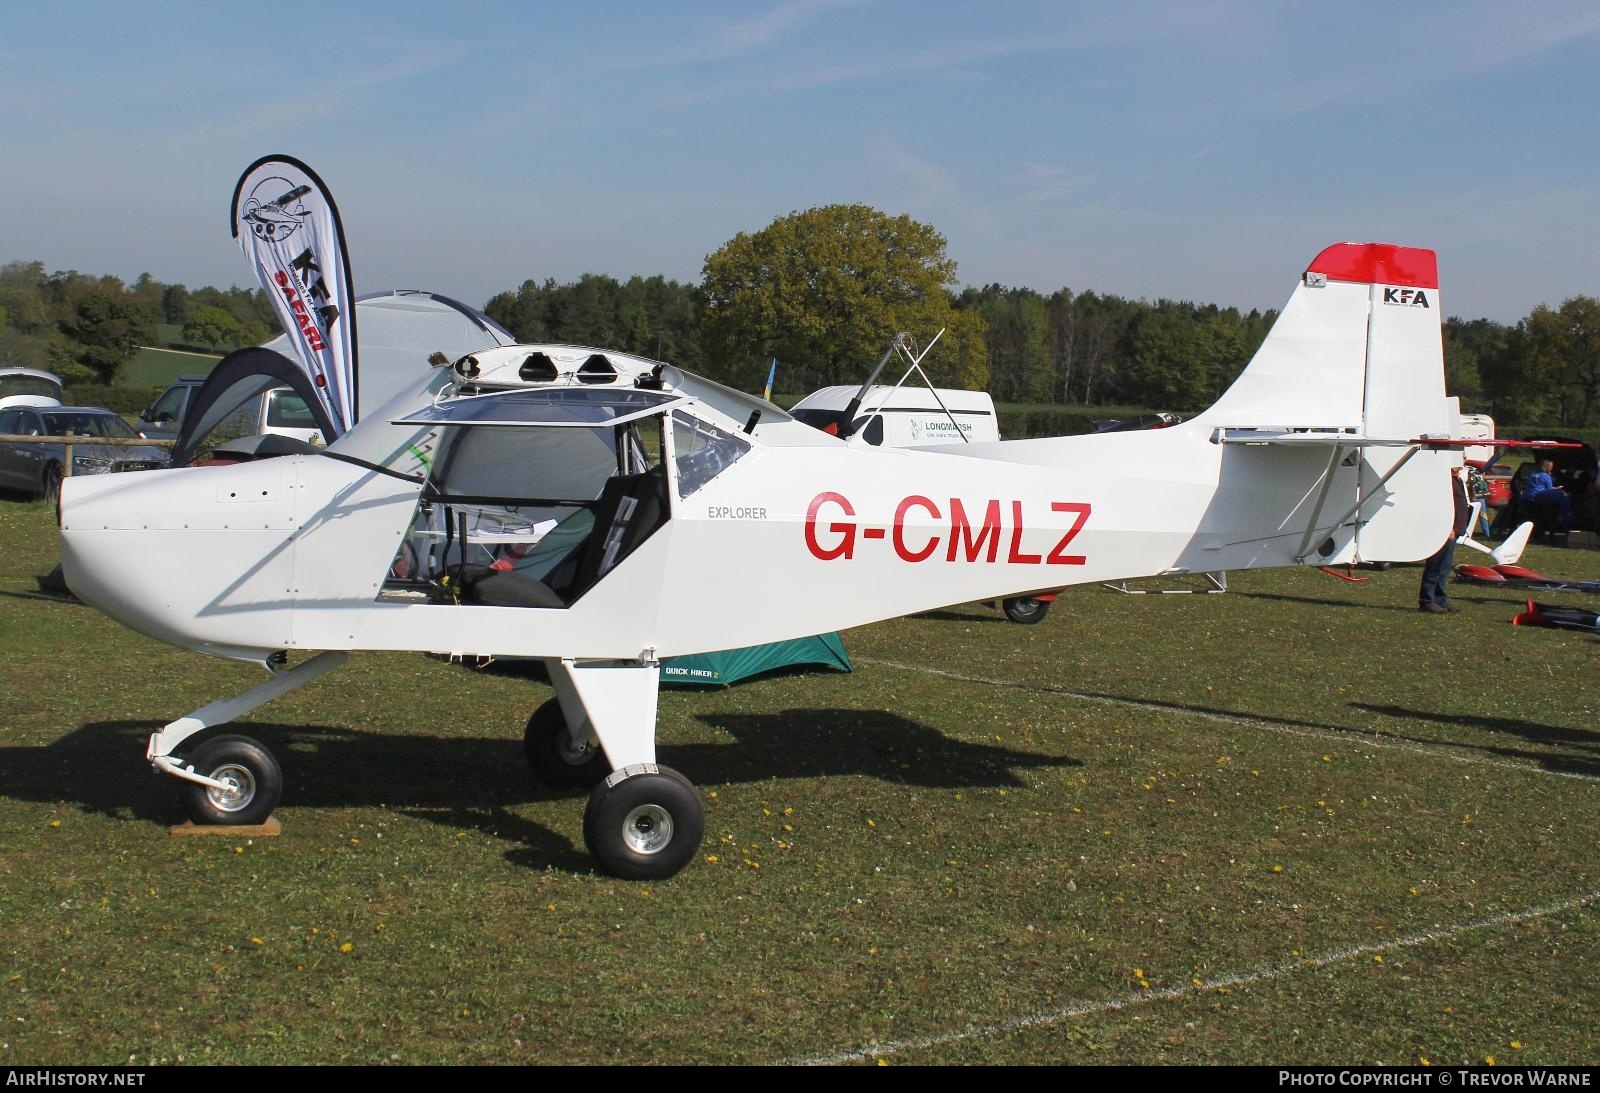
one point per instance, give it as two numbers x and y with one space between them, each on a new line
822 292
85 328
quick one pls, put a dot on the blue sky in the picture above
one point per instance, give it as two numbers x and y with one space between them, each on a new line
1201 150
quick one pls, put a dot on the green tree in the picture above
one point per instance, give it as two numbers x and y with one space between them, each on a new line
1170 366
1016 331
23 288
106 329
212 326
1086 333
525 311
175 305
824 290
1469 350
1578 370
1544 345
1224 340
650 316
586 312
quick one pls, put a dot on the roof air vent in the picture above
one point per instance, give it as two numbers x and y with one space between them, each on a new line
597 369
538 368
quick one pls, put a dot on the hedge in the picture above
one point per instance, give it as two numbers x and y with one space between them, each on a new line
124 400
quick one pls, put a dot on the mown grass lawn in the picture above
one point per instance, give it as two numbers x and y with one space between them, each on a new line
1297 822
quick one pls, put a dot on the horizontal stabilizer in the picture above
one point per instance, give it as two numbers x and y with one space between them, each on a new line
1310 438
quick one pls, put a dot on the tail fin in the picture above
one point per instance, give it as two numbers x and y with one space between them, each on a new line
1357 348
1355 364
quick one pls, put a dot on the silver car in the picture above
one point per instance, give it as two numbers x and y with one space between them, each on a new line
37 467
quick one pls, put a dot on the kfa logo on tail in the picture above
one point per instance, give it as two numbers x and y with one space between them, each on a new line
1406 297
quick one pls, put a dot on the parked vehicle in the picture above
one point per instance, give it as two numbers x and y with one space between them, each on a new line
1136 424
37 467
29 387
277 411
904 417
1575 471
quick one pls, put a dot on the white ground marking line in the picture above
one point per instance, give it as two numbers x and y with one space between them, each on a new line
1353 737
1235 979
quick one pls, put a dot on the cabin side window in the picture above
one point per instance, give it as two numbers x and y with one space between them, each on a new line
702 451
530 515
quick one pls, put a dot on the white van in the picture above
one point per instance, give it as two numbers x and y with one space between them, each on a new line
277 410
904 417
1477 427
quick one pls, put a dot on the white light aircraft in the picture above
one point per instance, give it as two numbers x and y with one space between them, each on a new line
599 512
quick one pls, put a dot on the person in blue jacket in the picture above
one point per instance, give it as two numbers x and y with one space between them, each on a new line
1541 490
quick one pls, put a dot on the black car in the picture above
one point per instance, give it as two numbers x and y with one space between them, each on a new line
1575 471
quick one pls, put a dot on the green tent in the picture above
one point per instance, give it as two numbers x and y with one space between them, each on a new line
729 666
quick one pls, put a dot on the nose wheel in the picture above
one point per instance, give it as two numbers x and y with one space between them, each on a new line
247 783
644 822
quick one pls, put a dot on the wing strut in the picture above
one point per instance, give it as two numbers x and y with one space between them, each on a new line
1361 501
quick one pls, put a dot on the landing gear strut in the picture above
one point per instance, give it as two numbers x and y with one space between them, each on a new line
643 821
232 779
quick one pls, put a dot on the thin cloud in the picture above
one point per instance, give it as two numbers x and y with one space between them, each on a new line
762 33
329 100
1048 182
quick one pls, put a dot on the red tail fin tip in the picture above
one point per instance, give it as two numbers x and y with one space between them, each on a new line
1378 264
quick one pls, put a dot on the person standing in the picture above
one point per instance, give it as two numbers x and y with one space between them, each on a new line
1431 597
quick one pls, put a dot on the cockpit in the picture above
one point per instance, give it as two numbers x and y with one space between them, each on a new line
532 496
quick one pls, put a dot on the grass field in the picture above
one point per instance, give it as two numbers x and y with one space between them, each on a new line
1297 822
156 368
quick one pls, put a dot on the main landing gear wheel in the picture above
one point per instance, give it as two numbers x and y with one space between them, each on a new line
644 823
1025 609
552 756
254 782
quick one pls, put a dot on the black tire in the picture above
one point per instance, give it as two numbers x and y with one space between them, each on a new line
249 767
551 755
1026 609
50 483
644 823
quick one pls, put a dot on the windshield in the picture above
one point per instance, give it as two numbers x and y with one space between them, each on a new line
403 449
84 424
287 410
28 385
